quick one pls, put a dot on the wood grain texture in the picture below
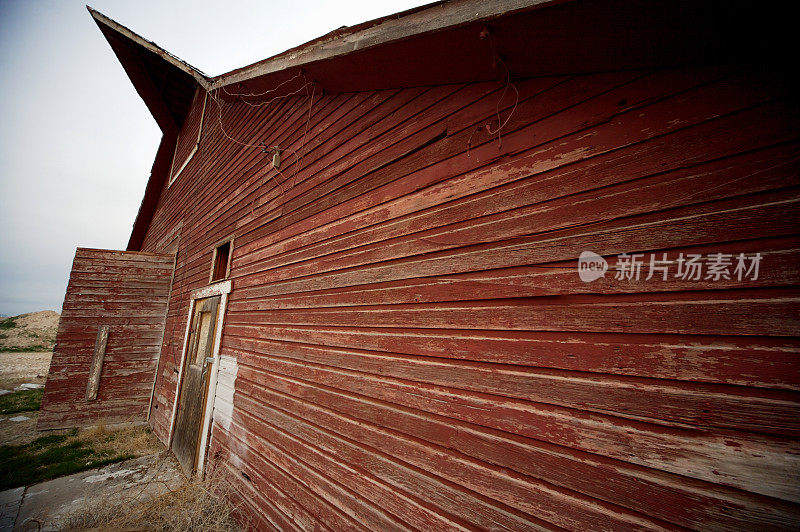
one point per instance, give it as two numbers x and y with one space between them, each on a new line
415 348
184 442
97 362
189 135
106 375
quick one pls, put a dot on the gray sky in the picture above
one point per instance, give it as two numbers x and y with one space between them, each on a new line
77 143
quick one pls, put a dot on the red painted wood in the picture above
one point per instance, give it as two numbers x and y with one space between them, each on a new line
626 484
127 291
189 134
414 347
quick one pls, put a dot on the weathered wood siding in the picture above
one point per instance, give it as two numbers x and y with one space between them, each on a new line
186 144
408 343
127 292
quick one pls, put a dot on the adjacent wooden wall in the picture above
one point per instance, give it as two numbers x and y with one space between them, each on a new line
408 343
128 292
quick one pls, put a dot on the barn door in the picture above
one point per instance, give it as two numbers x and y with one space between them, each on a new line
194 385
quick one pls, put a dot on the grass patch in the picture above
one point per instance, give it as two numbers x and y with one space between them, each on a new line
26 349
21 401
49 457
8 323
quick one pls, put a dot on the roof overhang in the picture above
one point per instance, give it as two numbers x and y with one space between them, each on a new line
165 83
457 41
167 86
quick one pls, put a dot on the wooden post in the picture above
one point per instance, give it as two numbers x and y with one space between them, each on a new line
97 362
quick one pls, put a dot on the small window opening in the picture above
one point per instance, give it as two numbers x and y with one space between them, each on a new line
221 262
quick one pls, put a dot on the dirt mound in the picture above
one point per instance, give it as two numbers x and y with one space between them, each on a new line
35 331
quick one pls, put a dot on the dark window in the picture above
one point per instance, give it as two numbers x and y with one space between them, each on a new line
221 259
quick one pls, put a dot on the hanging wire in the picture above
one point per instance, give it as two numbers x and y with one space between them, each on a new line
298 160
262 104
254 94
486 34
215 96
299 163
262 145
497 106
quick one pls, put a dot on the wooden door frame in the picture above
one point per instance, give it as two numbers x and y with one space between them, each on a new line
222 289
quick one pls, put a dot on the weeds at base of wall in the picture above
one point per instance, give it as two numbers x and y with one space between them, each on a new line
128 440
195 505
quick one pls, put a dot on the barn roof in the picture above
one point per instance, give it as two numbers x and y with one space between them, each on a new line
449 42
165 83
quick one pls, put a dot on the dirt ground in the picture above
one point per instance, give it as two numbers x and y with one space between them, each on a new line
17 369
29 330
144 493
18 432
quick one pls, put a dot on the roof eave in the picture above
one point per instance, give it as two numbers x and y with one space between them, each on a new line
167 86
427 19
202 79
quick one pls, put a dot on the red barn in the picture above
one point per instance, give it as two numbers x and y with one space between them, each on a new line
479 265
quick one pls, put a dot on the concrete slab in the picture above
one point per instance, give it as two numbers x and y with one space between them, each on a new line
10 501
29 386
49 505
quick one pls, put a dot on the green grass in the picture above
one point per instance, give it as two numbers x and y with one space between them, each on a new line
21 401
49 457
30 348
8 323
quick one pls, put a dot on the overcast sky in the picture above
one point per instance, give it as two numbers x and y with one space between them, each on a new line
77 142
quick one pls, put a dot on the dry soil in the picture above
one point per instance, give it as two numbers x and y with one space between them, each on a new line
29 330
